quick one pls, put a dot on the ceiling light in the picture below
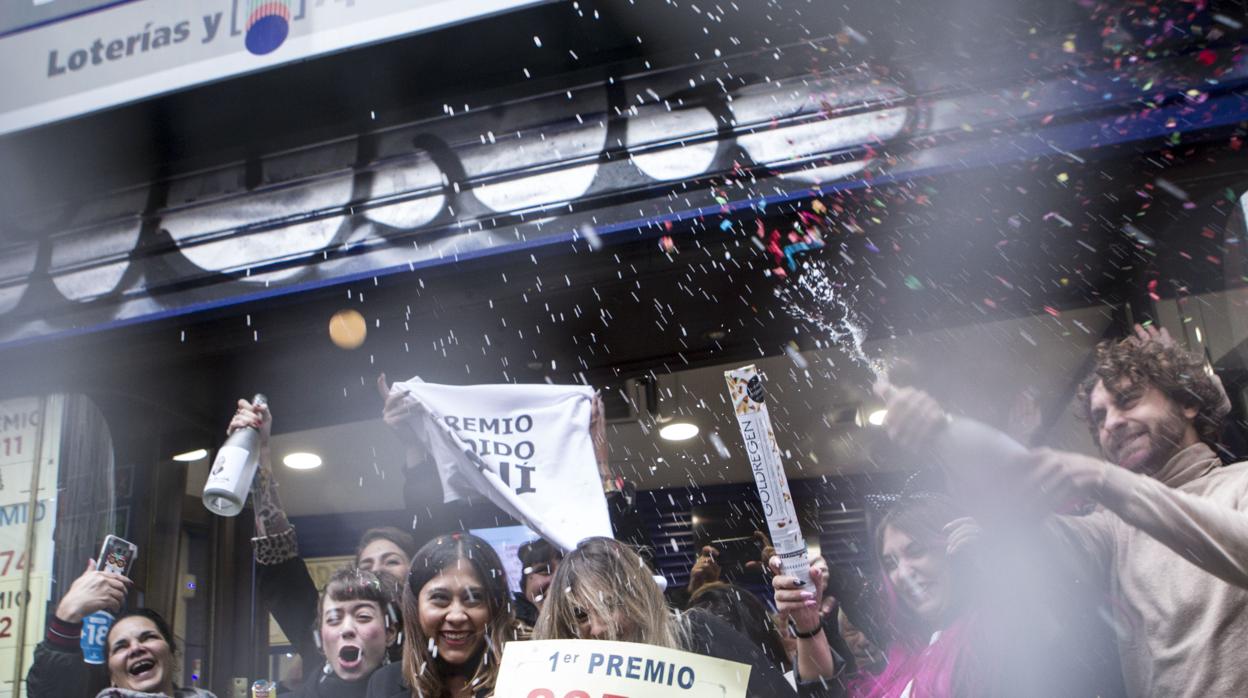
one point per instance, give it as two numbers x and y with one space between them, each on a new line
679 431
876 418
301 461
191 456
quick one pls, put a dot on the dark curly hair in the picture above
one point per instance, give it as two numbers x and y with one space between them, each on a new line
1128 365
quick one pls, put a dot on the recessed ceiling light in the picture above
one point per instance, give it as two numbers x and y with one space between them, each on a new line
679 431
876 418
191 456
301 461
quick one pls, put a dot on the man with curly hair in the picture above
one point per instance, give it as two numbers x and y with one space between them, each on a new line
1146 400
1169 540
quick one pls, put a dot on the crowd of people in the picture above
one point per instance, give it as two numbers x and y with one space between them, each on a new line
1037 572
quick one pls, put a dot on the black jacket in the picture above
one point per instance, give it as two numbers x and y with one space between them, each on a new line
290 595
58 670
713 637
387 682
322 685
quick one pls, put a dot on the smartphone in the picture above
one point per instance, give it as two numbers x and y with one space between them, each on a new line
116 555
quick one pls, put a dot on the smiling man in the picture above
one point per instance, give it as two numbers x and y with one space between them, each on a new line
1169 541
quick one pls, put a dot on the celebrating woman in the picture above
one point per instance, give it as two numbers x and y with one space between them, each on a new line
457 617
604 591
285 585
140 648
359 621
930 654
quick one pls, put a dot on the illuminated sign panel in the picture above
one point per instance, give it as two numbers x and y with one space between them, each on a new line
132 51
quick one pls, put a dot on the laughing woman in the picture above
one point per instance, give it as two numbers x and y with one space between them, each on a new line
928 605
140 649
141 663
457 617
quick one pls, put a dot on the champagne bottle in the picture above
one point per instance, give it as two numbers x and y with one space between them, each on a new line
225 492
967 444
964 445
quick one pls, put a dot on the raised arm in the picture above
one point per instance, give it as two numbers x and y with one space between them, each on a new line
282 577
397 411
58 668
801 605
1211 534
275 539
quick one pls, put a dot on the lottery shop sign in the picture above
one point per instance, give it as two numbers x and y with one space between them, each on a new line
601 669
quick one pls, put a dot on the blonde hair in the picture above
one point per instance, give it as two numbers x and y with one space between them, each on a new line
608 581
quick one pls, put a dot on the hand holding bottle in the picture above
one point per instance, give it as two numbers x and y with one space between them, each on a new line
256 416
229 479
914 419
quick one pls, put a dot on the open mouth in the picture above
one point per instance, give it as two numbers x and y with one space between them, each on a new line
348 655
456 638
142 667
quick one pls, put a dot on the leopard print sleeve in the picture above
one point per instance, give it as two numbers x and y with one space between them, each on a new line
275 539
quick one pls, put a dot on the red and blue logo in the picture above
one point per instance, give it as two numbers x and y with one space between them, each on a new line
268 25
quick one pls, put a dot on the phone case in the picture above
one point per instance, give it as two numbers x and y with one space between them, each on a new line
117 555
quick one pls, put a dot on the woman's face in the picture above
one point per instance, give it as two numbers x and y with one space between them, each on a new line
919 573
139 657
354 636
592 626
454 612
383 555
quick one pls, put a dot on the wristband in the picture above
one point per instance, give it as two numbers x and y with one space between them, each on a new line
806 636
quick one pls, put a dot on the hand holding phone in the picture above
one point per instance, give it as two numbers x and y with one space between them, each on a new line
116 555
94 590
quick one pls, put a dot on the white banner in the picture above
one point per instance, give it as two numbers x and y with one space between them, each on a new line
528 448
128 52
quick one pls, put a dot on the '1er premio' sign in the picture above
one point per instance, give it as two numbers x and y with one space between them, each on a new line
598 669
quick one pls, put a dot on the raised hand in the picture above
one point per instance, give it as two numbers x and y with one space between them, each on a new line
798 602
914 418
705 568
398 411
92 591
962 535
1059 476
256 416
